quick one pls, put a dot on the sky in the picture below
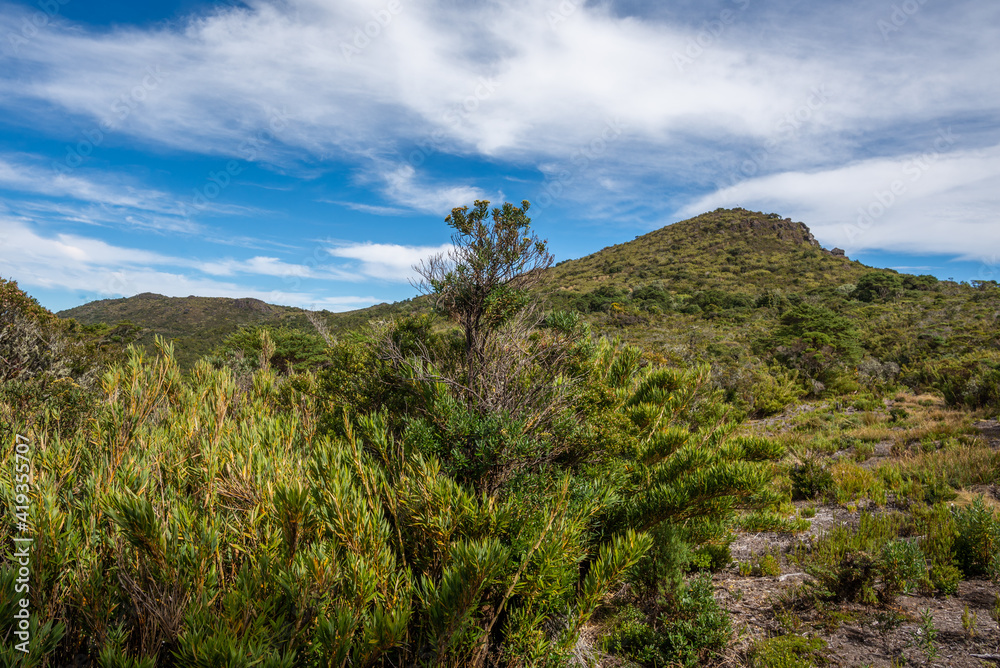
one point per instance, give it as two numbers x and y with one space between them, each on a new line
306 152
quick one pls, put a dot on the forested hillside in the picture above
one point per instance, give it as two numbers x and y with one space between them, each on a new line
716 444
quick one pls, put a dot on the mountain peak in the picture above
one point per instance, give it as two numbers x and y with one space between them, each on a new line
748 224
735 250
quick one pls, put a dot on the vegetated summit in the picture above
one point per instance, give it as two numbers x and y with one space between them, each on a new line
197 325
727 251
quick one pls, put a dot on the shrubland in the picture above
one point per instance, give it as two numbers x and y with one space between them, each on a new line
502 474
417 499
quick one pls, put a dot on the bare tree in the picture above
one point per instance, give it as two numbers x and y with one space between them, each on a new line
485 278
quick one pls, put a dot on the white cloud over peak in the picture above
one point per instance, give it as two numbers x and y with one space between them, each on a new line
527 77
929 202
630 112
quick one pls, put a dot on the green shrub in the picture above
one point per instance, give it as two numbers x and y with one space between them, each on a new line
774 389
810 479
661 571
769 566
685 628
977 539
634 639
694 625
878 286
944 578
816 341
903 567
935 524
851 579
791 651
287 350
863 563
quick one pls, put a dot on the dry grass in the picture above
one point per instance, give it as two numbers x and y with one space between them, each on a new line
854 483
960 466
872 433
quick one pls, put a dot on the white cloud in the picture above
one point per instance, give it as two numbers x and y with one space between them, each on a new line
535 84
73 262
370 208
499 79
930 202
26 175
271 266
403 186
388 261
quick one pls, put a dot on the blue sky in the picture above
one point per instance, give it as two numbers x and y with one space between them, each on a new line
305 152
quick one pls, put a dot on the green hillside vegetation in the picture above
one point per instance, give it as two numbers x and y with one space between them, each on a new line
198 325
411 504
717 289
732 287
524 466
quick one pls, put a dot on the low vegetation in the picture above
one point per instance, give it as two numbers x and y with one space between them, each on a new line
481 478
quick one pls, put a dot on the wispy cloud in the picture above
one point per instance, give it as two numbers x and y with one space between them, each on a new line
928 202
403 186
75 262
370 208
25 175
549 83
387 261
715 101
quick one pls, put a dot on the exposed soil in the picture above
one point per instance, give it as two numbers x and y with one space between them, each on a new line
857 635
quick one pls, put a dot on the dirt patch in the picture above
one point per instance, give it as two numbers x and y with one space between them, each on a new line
990 430
856 635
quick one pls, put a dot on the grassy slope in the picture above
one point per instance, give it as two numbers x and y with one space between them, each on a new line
198 324
728 249
732 250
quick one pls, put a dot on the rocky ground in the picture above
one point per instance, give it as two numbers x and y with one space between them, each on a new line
856 635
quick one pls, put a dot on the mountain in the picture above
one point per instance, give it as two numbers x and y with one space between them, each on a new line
727 249
734 251
197 325
707 289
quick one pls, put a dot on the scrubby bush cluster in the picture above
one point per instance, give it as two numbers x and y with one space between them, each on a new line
884 556
412 494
